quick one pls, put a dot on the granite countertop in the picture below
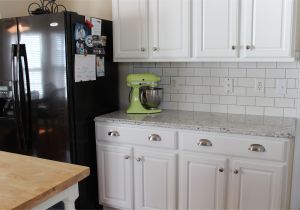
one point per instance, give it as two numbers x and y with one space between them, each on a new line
211 122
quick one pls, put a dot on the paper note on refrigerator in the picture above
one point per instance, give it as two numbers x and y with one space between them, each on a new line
85 66
96 30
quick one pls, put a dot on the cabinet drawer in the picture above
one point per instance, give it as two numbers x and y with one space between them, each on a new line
235 145
161 138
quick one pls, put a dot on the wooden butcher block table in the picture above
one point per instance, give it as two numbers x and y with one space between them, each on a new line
33 183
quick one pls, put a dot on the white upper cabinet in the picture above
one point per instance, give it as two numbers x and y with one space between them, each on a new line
130 28
169 28
215 28
266 28
204 30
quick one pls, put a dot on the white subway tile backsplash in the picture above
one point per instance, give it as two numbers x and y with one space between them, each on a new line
194 81
288 112
194 64
203 90
170 71
186 106
201 107
292 93
186 89
209 99
256 73
267 65
201 72
248 65
178 97
229 65
157 71
275 73
163 65
219 108
218 91
210 81
271 111
186 72
287 65
177 64
270 83
291 83
246 82
237 72
219 72
255 110
199 86
170 105
292 73
254 92
194 98
284 102
264 101
227 99
211 64
246 101
239 91
234 109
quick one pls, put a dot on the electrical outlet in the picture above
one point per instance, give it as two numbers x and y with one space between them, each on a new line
281 87
260 85
228 85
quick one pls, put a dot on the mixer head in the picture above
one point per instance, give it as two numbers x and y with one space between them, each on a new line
141 80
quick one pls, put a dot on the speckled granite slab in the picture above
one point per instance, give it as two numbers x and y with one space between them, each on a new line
211 122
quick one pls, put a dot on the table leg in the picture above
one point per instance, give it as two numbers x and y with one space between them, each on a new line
68 197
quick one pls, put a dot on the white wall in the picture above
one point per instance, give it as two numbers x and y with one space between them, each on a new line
94 8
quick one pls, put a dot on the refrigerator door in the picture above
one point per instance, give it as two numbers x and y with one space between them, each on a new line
11 139
43 37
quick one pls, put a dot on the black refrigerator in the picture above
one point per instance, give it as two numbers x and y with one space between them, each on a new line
43 111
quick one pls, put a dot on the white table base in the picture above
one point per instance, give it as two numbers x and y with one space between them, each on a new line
68 197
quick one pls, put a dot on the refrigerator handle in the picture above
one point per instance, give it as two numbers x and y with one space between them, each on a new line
16 95
25 96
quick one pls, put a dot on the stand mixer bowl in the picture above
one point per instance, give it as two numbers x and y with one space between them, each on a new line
151 97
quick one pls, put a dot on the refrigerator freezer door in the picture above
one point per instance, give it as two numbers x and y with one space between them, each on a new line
8 38
11 139
46 55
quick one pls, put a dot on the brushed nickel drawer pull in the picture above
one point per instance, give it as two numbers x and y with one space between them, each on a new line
139 159
113 133
236 171
221 170
127 157
257 148
154 137
204 143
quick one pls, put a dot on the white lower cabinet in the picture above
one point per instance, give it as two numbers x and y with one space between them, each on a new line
138 169
115 176
203 182
255 185
155 180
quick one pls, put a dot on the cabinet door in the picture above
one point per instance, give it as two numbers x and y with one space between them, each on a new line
215 28
169 28
267 28
115 176
202 182
155 180
130 28
255 185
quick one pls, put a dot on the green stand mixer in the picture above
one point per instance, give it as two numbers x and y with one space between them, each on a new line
145 96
